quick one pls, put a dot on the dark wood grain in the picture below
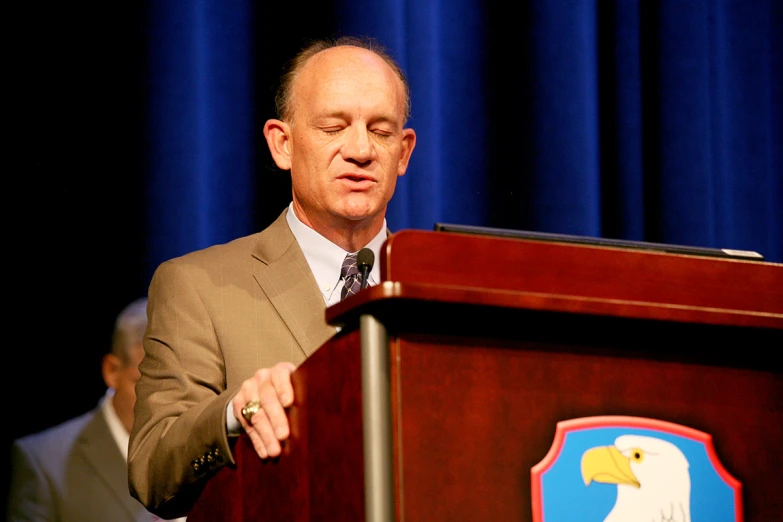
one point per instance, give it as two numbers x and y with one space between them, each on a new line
602 273
320 475
492 342
474 415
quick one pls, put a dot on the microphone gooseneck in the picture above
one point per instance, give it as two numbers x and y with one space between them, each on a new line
364 261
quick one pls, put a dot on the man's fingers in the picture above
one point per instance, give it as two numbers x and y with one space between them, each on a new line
281 381
275 415
272 388
262 434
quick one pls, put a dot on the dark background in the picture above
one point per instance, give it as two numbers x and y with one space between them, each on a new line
76 204
77 164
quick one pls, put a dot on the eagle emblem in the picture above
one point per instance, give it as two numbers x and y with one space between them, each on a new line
629 469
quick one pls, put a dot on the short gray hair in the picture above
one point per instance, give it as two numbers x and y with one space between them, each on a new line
129 328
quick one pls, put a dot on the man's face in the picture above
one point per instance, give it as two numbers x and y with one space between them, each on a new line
123 379
347 143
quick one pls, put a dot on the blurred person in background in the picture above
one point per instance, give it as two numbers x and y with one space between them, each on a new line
77 471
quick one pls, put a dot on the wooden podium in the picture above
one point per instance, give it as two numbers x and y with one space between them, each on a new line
445 385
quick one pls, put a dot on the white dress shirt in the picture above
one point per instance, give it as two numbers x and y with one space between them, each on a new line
325 260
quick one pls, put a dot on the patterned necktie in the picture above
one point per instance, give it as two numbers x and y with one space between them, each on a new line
350 273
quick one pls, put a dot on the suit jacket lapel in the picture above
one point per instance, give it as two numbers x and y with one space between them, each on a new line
291 288
98 448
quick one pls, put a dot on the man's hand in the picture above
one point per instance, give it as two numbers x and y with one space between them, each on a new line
272 388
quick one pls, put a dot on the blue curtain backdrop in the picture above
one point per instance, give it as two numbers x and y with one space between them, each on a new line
135 136
654 121
200 174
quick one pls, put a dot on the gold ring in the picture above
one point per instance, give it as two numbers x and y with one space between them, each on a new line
250 409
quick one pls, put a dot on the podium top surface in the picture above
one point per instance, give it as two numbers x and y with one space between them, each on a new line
599 241
568 277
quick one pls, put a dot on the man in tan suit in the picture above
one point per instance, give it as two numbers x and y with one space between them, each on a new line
228 324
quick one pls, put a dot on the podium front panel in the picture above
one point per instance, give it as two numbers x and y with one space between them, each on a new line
474 415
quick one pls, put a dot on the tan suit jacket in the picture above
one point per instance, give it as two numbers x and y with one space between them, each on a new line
215 316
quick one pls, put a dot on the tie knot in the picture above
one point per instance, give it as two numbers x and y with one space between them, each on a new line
349 267
350 274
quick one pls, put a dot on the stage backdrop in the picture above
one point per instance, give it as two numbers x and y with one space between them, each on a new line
656 121
135 136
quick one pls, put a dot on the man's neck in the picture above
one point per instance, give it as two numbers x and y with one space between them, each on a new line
350 235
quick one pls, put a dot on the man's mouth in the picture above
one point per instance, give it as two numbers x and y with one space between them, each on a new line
357 181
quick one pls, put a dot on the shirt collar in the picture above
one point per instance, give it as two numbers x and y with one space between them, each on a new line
118 431
325 258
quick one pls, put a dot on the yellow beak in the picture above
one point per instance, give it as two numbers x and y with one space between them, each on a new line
606 464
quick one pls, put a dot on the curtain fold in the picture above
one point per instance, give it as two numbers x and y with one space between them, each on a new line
653 121
201 140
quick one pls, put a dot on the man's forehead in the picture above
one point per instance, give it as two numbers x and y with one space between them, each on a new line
348 63
343 54
344 71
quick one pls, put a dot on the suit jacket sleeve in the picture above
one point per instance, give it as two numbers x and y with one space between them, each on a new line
215 317
181 398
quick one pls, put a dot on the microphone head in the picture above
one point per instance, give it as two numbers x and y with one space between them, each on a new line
365 258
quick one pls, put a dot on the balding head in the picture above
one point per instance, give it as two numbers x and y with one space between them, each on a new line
284 96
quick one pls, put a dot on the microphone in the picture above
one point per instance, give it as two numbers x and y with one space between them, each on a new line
364 261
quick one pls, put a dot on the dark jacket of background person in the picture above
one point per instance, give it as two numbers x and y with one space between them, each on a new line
76 471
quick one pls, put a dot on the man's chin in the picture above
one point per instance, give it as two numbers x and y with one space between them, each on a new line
363 218
359 210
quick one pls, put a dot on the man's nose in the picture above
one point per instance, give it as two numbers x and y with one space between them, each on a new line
358 145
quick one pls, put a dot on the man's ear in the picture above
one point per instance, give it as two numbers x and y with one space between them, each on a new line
110 369
278 138
408 144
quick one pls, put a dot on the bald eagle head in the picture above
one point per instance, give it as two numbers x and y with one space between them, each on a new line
651 474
